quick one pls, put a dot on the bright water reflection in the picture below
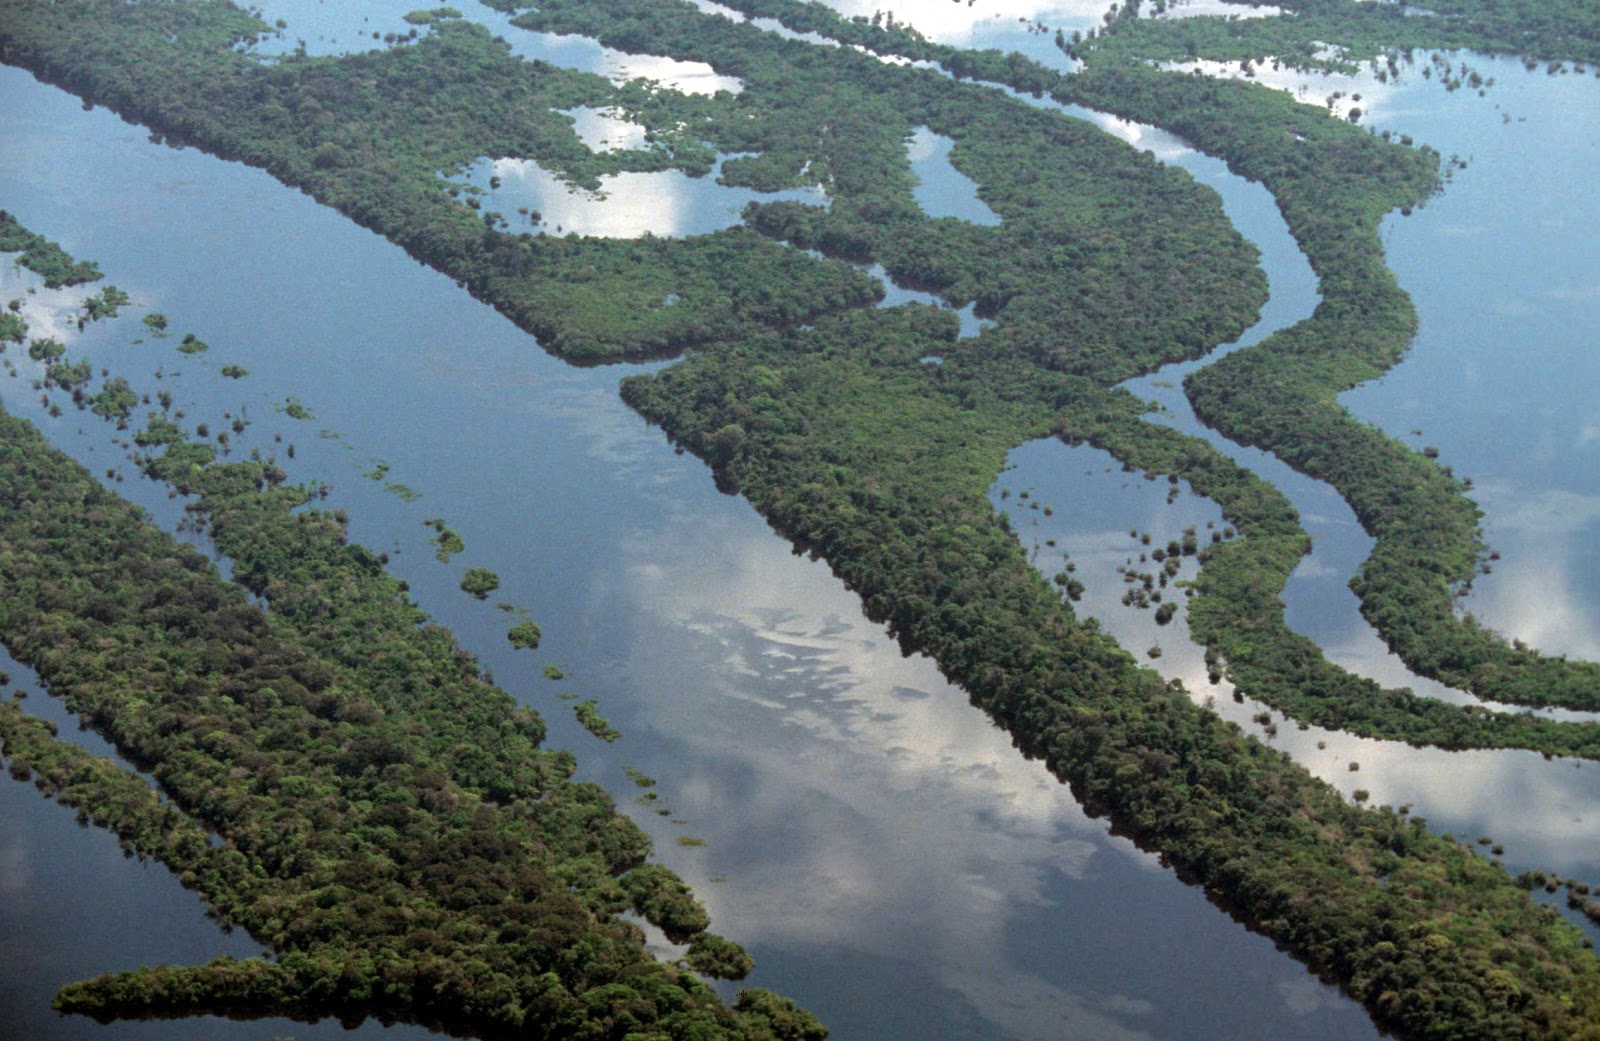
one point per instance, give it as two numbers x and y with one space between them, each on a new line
771 25
330 27
1519 798
876 835
1216 9
1522 800
666 203
1488 418
942 190
1016 25
1340 92
1502 379
904 803
602 131
1499 261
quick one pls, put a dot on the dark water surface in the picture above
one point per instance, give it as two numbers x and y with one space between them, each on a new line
879 846
1502 380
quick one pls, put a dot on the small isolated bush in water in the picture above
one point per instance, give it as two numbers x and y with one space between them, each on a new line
447 543
46 350
480 582
524 636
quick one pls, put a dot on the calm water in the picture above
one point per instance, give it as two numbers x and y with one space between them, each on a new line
1526 283
866 832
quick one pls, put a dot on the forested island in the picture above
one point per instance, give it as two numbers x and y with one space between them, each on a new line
342 780
825 414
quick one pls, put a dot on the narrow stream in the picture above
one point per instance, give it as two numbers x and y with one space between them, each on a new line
842 810
1319 602
1539 809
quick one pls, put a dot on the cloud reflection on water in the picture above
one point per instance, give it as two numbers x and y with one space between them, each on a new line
601 131
941 189
896 795
333 28
1217 9
958 23
1520 798
665 203
50 313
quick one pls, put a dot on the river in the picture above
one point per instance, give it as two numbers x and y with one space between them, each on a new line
879 846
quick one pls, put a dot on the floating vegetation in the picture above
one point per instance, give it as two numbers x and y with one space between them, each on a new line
46 349
192 344
115 401
479 582
159 430
447 544
104 304
429 16
292 408
588 714
235 372
524 636
552 672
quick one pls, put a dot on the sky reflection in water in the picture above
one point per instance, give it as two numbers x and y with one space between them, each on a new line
863 814
1534 806
942 190
667 203
931 861
327 27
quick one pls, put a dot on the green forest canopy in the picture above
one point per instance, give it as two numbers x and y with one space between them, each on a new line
1105 265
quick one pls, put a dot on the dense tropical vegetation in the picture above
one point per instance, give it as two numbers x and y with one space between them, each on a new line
822 411
343 782
43 257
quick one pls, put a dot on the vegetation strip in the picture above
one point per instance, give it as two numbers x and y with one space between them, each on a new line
1333 184
1104 265
389 824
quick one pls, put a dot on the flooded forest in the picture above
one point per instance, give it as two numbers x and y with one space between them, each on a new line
773 519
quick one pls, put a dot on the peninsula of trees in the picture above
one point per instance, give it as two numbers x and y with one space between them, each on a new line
340 778
819 410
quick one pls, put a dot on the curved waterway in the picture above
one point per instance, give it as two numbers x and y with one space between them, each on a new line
880 847
1318 601
1525 283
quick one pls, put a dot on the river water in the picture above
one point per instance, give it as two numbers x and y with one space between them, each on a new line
1525 283
878 845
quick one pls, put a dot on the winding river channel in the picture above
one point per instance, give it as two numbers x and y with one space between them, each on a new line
878 845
